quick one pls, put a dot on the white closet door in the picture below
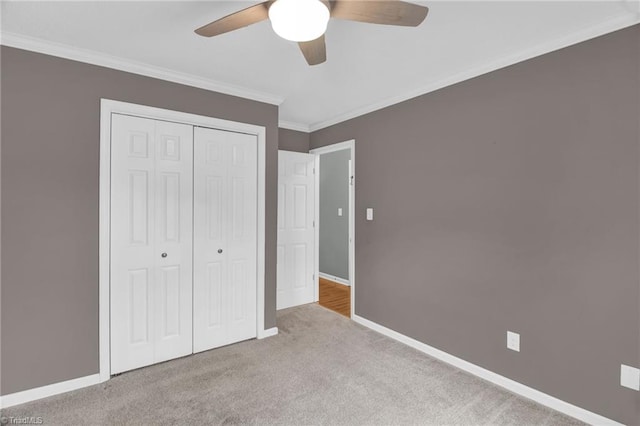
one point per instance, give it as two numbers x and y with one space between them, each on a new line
296 187
225 238
174 238
151 241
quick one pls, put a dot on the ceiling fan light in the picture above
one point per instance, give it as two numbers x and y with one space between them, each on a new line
299 20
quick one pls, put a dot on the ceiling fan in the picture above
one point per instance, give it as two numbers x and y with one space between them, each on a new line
305 21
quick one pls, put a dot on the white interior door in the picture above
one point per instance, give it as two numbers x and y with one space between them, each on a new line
225 238
151 241
295 265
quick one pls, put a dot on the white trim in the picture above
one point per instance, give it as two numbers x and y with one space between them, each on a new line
316 228
104 256
334 278
91 57
261 243
490 376
108 107
104 60
334 147
352 227
576 37
267 333
290 125
350 145
49 390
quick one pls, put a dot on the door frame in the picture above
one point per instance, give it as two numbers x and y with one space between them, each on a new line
109 107
351 146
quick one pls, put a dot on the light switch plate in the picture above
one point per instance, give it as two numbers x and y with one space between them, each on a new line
369 213
513 341
339 211
629 377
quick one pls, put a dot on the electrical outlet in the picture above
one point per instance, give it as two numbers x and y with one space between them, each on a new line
369 213
339 211
513 341
629 377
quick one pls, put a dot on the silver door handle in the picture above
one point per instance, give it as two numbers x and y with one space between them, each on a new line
219 250
164 255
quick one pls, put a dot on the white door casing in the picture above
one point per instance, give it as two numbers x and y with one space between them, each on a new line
151 242
225 187
351 146
296 234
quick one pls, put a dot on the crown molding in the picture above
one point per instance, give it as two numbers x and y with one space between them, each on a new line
291 125
95 58
91 57
609 26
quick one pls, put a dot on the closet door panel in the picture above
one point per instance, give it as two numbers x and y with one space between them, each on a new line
211 221
151 241
242 236
174 239
225 232
132 243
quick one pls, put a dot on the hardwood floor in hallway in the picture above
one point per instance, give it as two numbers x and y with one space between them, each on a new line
336 297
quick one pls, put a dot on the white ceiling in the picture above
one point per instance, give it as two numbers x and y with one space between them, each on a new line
368 66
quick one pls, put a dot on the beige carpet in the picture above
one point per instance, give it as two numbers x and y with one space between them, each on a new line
321 369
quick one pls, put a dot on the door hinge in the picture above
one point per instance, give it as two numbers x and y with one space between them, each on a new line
313 277
351 183
314 223
314 170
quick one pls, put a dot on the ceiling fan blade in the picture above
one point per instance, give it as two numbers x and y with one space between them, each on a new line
241 19
389 12
314 51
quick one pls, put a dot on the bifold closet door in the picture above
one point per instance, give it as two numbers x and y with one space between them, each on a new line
151 241
225 238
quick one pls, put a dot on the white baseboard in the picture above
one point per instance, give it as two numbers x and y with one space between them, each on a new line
334 278
57 388
268 332
490 376
54 389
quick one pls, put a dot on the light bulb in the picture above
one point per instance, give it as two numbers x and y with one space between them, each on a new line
299 20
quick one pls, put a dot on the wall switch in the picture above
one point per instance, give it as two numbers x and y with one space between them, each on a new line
513 341
629 377
369 213
339 211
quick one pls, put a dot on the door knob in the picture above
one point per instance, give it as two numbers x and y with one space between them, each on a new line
164 255
219 250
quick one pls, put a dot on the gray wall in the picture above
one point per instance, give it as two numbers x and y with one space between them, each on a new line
510 202
333 229
50 170
292 140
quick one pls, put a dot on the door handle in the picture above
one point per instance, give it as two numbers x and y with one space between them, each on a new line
164 255
219 250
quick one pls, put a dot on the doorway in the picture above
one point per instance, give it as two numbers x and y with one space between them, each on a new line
335 242
181 235
306 200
